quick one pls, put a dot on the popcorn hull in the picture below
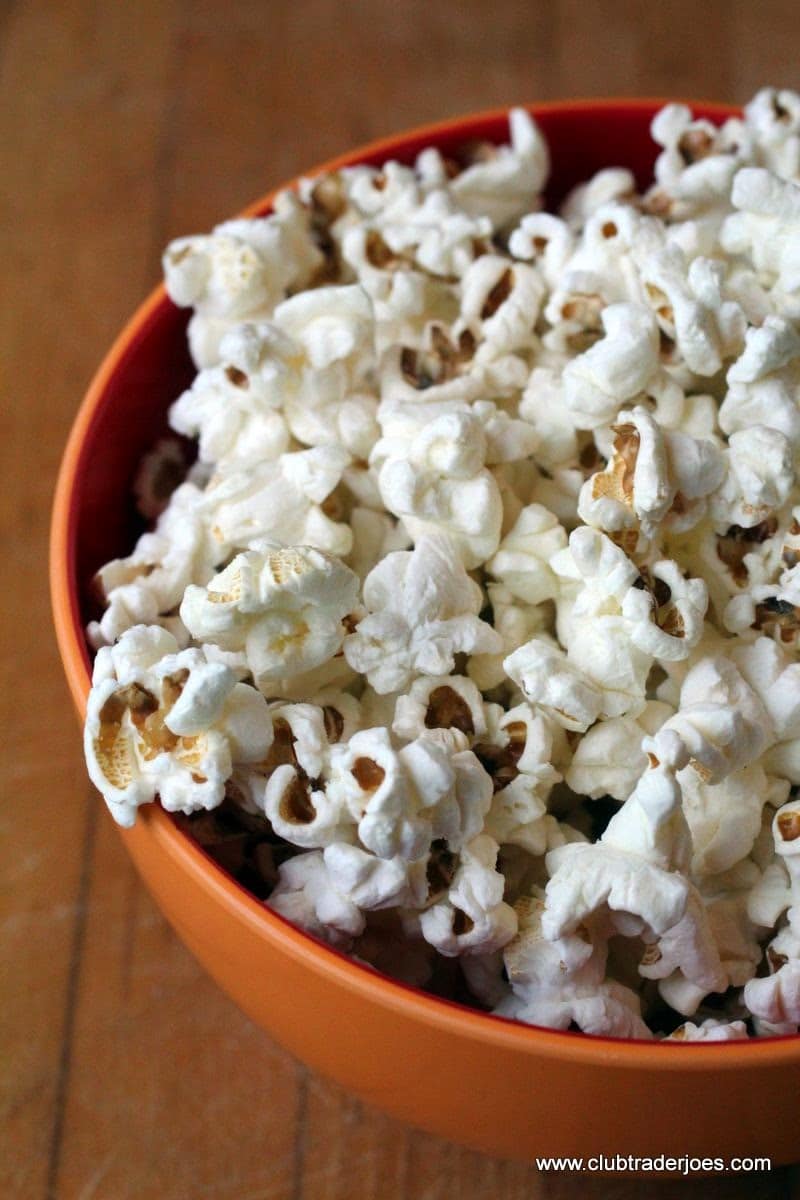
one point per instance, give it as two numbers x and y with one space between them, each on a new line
502 1087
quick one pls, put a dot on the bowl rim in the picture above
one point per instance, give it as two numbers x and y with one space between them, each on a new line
404 999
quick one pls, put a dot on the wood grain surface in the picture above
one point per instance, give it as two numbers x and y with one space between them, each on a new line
126 1074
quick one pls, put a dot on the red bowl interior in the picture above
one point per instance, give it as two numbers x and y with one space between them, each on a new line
125 410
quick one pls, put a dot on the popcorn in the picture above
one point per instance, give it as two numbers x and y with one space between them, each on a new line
519 759
558 981
774 118
763 382
163 721
544 239
472 919
443 487
239 272
616 369
521 561
775 998
306 896
281 500
508 182
477 612
283 607
149 584
442 702
422 611
698 162
709 1030
767 230
609 759
685 960
633 874
654 477
691 307
720 721
404 800
548 679
759 478
724 818
664 610
500 305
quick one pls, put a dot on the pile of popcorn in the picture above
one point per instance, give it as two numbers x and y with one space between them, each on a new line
469 640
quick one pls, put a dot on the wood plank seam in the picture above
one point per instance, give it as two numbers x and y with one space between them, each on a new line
71 997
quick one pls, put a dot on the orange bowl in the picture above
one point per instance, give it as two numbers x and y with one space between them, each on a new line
503 1087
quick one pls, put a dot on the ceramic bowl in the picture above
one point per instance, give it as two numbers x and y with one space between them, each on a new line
506 1088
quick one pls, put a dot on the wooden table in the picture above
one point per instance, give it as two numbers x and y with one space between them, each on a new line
126 1074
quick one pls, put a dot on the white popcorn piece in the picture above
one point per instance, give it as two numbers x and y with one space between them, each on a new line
544 239
609 759
691 307
698 162
633 874
294 797
767 229
333 331
664 610
149 584
375 883
234 407
301 813
685 960
608 186
305 895
763 382
282 500
556 982
507 184
720 720
500 305
598 382
521 756
549 680
710 1030
653 477
443 487
724 818
422 611
403 800
775 998
773 116
283 606
521 561
775 678
165 722
759 478
507 440
440 702
240 272
473 918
